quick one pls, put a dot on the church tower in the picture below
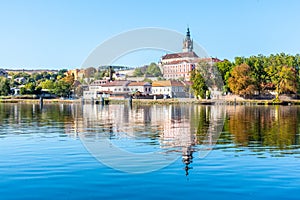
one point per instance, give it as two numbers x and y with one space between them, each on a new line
187 42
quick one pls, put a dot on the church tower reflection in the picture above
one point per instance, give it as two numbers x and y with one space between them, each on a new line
174 129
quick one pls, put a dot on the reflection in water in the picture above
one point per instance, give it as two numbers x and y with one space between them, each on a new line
170 129
272 128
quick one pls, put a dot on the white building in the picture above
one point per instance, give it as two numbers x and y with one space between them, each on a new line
143 87
171 88
116 87
95 90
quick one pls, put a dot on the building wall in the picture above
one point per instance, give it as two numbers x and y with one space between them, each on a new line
165 90
176 71
144 89
115 89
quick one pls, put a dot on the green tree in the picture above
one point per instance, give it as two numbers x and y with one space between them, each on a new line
4 86
284 78
239 60
225 68
153 70
199 87
138 72
30 88
47 84
36 76
257 65
64 87
241 82
23 91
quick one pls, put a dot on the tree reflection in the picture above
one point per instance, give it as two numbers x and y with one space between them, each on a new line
274 126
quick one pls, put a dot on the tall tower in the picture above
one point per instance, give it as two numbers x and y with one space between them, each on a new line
187 42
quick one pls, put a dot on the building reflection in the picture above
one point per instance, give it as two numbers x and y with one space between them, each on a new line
176 128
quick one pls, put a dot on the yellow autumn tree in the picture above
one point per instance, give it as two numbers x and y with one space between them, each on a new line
241 82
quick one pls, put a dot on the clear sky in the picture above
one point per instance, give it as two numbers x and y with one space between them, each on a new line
57 34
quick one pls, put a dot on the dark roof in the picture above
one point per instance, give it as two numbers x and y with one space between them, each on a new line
180 55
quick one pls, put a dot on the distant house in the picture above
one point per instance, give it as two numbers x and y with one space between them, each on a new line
171 88
21 80
3 73
143 87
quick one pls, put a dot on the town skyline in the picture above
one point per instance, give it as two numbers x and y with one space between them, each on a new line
58 35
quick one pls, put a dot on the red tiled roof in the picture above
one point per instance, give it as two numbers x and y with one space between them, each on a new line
177 83
210 59
178 62
181 55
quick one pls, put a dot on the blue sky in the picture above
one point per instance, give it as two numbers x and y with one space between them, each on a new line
59 34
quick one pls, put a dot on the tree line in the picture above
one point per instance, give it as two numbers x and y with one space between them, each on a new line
58 84
254 76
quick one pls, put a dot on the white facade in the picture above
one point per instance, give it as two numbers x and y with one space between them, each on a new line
171 88
144 88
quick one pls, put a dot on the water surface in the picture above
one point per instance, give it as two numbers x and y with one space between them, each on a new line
43 154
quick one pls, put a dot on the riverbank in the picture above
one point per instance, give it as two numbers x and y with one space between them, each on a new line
159 101
37 101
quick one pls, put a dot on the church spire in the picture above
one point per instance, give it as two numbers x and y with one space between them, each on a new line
187 42
188 32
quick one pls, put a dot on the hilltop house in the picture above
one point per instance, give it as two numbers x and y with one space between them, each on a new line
20 80
3 73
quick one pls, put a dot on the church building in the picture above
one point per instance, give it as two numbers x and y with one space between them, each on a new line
179 65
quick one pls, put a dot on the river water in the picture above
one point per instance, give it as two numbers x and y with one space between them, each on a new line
71 151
